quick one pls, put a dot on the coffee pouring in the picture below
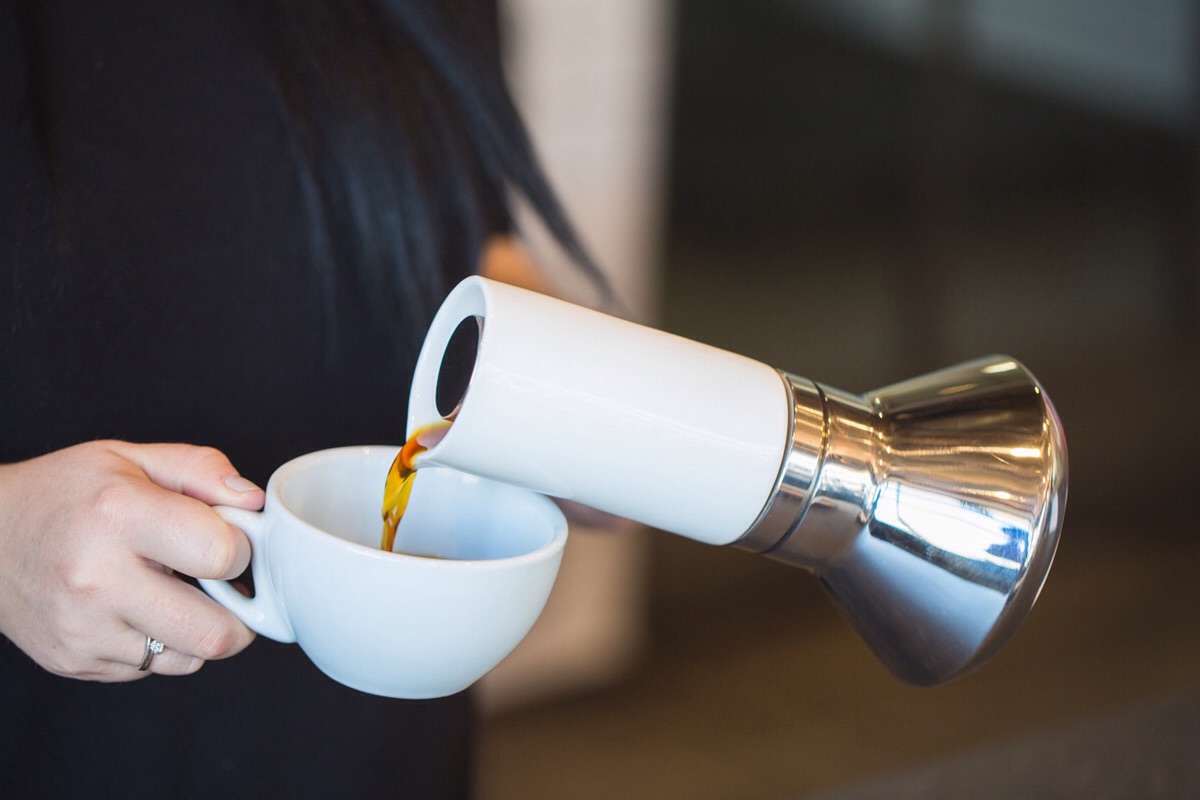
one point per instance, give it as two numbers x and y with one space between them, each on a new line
930 509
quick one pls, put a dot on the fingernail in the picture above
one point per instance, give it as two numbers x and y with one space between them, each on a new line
240 485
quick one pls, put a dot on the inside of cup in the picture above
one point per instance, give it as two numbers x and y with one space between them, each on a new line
454 515
450 514
331 494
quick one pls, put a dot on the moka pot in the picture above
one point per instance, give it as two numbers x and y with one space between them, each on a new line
929 509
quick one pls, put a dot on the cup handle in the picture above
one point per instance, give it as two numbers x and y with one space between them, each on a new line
263 613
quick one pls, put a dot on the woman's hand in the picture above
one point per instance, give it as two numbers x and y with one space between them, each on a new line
89 537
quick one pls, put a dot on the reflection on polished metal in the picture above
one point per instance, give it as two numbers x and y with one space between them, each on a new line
930 509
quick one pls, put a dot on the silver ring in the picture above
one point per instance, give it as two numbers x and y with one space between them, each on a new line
153 648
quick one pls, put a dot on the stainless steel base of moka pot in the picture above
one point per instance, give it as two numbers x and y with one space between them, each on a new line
930 509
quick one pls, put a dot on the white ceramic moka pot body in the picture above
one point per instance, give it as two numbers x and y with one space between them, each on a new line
617 416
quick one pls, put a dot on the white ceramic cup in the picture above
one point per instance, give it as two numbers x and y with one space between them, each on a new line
393 624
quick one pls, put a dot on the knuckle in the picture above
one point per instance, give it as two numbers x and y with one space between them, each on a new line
112 501
221 558
94 447
219 640
81 579
208 458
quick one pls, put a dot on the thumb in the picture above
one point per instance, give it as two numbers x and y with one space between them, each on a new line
203 473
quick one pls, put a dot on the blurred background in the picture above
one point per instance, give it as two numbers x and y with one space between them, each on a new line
859 191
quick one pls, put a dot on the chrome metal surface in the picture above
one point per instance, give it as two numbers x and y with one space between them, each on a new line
934 512
806 440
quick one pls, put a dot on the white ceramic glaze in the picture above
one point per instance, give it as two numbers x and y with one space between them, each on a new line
573 403
386 623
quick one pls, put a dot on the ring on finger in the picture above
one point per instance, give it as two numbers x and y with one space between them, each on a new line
153 648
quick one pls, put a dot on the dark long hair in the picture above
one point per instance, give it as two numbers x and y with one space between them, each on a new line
408 143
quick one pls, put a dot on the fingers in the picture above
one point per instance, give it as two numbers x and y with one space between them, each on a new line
124 660
168 661
169 513
203 473
147 602
191 628
188 536
184 619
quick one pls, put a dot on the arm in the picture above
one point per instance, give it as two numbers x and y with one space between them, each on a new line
505 259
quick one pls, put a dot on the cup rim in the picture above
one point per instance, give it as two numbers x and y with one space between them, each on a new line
284 472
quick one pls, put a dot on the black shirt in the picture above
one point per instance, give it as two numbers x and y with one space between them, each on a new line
157 284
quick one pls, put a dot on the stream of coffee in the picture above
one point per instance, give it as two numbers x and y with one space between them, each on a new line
398 485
